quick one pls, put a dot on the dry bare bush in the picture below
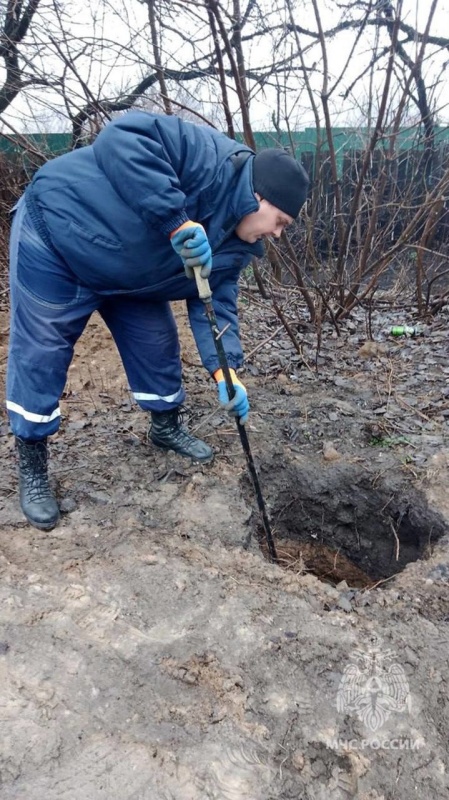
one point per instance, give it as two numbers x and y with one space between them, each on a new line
12 181
369 213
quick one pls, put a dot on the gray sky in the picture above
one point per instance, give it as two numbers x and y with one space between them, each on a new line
125 22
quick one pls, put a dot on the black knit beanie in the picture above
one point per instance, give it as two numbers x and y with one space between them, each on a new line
281 180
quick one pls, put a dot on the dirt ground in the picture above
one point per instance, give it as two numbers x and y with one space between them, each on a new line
149 651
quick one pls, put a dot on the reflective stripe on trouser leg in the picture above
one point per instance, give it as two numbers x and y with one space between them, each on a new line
147 339
48 313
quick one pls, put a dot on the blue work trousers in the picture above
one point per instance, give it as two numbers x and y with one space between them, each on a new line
49 311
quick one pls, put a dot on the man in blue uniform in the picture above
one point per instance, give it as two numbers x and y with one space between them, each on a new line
117 227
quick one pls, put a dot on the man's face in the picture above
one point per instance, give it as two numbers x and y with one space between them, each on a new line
267 221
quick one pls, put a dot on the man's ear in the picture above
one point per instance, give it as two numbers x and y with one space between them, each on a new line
256 194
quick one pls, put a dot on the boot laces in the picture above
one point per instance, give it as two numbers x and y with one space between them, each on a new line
173 427
34 473
182 434
38 488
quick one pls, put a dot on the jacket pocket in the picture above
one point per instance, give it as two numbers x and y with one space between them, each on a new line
95 238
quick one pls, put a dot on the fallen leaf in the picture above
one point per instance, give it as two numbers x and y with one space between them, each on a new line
371 350
329 452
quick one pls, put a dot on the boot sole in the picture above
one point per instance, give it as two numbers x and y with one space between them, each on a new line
42 526
206 460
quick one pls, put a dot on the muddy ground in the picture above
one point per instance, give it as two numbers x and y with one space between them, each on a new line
149 651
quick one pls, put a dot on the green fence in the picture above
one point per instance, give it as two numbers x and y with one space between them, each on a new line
407 176
302 142
49 144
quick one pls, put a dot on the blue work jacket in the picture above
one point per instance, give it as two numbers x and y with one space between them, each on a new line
108 209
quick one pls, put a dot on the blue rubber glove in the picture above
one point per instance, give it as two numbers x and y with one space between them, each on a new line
239 404
190 242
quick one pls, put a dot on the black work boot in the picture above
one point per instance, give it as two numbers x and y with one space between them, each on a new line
166 432
36 498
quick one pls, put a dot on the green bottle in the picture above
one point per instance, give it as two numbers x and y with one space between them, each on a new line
403 330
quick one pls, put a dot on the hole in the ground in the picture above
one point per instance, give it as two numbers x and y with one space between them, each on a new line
341 524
